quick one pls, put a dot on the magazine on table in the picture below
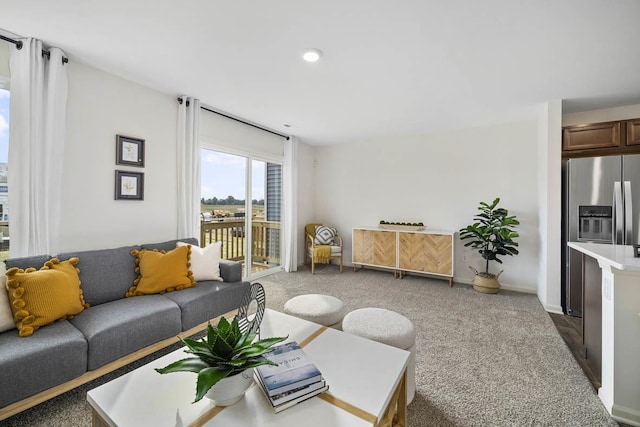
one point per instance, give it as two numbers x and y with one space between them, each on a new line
290 394
294 369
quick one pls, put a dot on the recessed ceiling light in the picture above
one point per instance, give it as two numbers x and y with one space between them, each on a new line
286 125
311 55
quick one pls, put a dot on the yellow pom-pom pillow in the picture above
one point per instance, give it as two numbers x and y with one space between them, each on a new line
40 297
161 271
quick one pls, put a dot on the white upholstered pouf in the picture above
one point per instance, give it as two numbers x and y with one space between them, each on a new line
387 327
323 309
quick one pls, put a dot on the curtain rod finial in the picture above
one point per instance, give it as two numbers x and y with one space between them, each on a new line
19 44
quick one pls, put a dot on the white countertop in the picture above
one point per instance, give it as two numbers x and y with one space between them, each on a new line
617 256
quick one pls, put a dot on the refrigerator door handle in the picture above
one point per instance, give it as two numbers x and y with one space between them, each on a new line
618 214
628 219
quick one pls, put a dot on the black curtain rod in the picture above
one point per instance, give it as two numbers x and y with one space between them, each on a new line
18 44
238 120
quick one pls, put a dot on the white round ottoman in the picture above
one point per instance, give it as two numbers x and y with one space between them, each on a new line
387 327
323 309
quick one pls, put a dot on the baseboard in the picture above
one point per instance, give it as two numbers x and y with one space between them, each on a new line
625 415
553 309
505 286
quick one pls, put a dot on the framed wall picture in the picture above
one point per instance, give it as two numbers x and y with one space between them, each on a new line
129 185
129 151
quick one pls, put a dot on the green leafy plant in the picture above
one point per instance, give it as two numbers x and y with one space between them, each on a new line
493 233
224 351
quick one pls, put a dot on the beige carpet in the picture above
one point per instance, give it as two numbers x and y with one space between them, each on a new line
482 360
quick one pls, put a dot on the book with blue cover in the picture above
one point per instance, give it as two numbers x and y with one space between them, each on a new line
294 369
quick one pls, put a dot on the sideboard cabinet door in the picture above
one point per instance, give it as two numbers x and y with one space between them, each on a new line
373 247
429 253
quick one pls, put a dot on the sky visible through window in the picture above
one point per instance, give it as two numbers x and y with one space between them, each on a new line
224 175
4 125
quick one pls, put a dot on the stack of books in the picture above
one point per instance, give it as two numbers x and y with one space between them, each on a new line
294 380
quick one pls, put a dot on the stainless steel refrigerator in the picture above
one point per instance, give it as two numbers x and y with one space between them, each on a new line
601 204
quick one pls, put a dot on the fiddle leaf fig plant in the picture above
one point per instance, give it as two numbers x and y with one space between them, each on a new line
223 352
493 234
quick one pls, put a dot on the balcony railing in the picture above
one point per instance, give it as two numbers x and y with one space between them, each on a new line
265 239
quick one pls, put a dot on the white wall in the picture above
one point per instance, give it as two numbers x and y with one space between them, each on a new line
550 205
101 105
598 116
438 179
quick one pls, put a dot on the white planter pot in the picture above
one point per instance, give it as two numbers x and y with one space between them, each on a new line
230 390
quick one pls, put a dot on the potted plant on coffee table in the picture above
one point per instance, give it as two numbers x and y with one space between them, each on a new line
493 234
223 360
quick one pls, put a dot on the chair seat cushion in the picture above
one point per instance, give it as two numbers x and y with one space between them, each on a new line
335 250
117 328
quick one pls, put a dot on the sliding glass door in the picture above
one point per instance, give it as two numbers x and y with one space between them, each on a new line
241 204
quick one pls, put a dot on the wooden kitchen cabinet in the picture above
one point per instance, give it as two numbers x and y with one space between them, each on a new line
592 314
426 251
584 137
633 132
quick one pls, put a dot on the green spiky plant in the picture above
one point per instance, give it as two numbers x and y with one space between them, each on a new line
224 351
493 234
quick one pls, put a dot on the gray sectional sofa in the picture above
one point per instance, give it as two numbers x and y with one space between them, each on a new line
65 354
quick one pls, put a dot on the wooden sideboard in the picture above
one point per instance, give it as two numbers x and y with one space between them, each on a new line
425 251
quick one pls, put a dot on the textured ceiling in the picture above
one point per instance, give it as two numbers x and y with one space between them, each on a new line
389 68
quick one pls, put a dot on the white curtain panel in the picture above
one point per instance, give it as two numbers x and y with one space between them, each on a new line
188 157
290 184
36 149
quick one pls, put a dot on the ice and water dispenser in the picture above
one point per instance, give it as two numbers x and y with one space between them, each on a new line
595 223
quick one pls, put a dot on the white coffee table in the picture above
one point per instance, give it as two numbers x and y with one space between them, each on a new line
366 386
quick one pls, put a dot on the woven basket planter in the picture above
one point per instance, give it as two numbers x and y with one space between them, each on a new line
486 283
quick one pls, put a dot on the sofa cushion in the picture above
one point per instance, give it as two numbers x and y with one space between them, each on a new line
56 354
205 262
208 300
40 297
30 261
230 271
169 244
161 272
117 328
106 274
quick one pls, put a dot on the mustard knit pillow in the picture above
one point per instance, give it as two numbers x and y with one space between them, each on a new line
40 297
161 271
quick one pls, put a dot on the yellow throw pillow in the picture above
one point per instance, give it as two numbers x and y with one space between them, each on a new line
40 297
161 271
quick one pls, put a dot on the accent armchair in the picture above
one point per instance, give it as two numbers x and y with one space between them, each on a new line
321 244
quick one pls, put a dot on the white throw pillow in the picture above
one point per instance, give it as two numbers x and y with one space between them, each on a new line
205 262
6 315
324 235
